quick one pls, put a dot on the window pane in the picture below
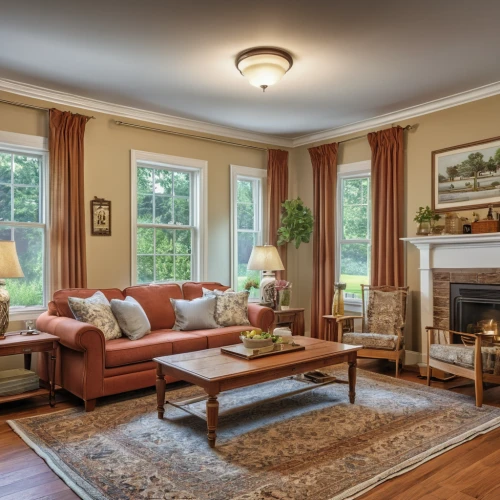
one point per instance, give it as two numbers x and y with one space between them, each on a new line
5 166
145 240
355 223
182 183
163 182
145 208
5 202
28 291
246 242
181 211
245 216
26 204
163 210
145 267
26 170
164 241
164 268
244 192
354 267
183 242
182 267
144 180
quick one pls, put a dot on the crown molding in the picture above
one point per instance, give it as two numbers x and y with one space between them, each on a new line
89 104
401 115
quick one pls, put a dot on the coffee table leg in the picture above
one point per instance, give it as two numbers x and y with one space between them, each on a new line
160 391
352 380
212 417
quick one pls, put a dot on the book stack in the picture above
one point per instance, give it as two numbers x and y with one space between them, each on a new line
17 381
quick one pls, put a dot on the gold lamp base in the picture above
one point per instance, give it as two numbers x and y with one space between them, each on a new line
4 309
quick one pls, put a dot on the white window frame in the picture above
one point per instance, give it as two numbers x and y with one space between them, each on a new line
348 171
199 207
34 145
238 172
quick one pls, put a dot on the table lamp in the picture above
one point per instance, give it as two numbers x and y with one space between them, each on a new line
9 268
266 258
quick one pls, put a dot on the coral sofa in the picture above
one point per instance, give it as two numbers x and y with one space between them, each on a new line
90 367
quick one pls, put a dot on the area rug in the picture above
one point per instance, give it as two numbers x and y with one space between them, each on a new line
313 445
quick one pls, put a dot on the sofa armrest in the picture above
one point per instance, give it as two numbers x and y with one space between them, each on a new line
260 316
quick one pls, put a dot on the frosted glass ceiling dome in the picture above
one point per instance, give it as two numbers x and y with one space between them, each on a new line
264 67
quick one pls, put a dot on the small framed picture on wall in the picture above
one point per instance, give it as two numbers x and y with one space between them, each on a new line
100 211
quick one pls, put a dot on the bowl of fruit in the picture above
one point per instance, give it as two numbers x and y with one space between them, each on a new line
255 339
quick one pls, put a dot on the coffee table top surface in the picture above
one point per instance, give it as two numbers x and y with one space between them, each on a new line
212 364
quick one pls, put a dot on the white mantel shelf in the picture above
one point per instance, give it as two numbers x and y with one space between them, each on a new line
451 251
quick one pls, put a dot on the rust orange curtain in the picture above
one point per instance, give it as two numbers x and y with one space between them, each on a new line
67 210
387 266
324 166
277 193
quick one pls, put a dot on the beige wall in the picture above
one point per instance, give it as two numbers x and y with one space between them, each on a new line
450 127
107 175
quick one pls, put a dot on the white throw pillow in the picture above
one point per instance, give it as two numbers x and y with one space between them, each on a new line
96 310
131 317
196 314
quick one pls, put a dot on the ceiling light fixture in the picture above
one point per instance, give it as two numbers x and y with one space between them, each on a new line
264 66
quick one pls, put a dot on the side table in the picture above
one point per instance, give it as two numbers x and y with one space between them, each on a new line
28 344
293 318
332 327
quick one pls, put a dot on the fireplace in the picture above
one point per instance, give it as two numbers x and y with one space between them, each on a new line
473 305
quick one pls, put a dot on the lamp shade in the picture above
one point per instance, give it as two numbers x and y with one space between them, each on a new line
9 262
265 258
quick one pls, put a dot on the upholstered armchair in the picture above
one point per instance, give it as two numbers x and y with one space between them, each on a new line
476 358
383 323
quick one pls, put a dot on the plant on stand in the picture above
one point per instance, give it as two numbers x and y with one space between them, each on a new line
426 218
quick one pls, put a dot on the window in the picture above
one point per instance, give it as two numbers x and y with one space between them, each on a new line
248 187
354 228
23 219
167 218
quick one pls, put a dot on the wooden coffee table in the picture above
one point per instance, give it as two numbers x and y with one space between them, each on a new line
216 372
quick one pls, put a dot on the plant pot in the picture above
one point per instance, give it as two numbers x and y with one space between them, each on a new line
284 297
424 228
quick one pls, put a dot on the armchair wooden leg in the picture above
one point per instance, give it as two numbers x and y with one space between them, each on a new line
90 404
478 385
429 369
397 367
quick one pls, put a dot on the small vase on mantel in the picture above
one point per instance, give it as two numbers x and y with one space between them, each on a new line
338 299
424 228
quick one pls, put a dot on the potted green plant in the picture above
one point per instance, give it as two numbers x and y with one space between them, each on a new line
251 283
426 217
296 223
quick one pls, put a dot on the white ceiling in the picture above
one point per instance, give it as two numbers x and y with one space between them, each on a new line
354 60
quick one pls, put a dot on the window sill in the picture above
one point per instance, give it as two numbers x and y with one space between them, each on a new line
25 314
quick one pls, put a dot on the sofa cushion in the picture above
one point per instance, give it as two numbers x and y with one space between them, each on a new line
196 314
461 355
60 298
123 351
220 337
192 290
96 311
155 300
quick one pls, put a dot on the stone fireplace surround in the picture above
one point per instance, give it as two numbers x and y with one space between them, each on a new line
445 259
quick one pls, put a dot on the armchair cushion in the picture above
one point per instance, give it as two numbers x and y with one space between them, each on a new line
384 313
372 340
460 355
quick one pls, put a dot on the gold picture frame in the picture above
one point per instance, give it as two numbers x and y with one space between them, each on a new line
100 215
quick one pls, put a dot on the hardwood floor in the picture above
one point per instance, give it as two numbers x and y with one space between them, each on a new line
466 472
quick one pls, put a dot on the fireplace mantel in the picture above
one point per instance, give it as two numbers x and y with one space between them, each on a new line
462 252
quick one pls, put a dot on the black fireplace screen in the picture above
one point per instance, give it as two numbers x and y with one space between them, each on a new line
473 303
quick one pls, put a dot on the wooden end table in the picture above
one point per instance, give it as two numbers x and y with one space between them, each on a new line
216 372
15 343
293 318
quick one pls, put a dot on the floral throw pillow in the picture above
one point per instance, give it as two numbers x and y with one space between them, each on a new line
384 314
96 310
231 309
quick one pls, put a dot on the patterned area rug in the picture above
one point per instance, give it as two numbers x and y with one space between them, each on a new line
313 445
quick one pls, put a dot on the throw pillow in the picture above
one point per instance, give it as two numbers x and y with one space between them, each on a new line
96 310
196 314
131 317
213 293
232 309
384 313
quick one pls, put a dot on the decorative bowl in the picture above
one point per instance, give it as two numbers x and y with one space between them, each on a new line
256 344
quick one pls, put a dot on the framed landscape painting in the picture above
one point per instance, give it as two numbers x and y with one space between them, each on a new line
467 176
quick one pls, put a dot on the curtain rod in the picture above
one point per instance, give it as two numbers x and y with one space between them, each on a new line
408 127
192 136
31 106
